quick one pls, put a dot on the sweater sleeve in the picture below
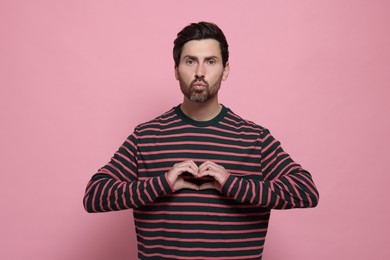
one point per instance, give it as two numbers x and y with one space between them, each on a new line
285 184
116 186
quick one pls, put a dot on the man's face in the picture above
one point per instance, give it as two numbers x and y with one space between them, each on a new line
201 71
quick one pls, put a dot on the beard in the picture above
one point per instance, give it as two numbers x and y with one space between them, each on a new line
199 96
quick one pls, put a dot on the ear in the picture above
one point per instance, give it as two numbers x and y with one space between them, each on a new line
226 71
176 72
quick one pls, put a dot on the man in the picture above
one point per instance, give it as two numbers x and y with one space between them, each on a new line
200 179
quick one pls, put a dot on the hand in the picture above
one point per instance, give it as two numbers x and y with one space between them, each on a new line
214 170
176 179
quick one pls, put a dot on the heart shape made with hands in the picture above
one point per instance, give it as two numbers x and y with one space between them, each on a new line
187 175
202 183
198 181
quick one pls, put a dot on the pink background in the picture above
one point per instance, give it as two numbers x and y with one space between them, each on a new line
77 76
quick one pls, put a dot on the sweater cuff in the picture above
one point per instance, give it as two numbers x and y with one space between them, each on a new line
226 186
168 188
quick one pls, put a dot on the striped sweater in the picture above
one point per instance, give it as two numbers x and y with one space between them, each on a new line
208 224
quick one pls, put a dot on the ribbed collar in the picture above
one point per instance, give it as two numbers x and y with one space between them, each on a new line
210 122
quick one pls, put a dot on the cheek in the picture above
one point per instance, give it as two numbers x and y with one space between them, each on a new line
217 77
185 74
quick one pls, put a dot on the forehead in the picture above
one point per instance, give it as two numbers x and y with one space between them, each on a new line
202 48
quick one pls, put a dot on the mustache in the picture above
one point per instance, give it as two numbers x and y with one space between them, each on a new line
199 79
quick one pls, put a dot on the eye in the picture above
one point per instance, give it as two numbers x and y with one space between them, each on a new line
211 61
190 61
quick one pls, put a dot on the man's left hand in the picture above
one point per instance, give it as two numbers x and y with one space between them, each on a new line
216 171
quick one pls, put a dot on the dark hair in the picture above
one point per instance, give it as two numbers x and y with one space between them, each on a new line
200 31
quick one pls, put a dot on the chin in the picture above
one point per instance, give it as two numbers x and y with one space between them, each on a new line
199 100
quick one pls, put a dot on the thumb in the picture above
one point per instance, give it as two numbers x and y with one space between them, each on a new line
190 185
209 185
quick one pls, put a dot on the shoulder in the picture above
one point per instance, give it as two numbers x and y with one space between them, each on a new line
168 118
236 121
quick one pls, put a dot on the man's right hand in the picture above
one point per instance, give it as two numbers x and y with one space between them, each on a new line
176 179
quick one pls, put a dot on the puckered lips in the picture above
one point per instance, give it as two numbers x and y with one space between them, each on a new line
199 86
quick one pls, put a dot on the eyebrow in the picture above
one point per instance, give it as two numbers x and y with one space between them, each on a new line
196 58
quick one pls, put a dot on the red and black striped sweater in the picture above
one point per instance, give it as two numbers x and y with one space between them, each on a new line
206 224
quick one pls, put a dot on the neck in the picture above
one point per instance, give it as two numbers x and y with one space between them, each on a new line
201 111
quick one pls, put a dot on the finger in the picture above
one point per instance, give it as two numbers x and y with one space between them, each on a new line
190 164
205 164
187 168
181 183
219 174
208 165
193 166
189 185
207 172
209 185
178 169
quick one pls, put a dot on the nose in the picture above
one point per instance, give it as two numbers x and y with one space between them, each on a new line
200 71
